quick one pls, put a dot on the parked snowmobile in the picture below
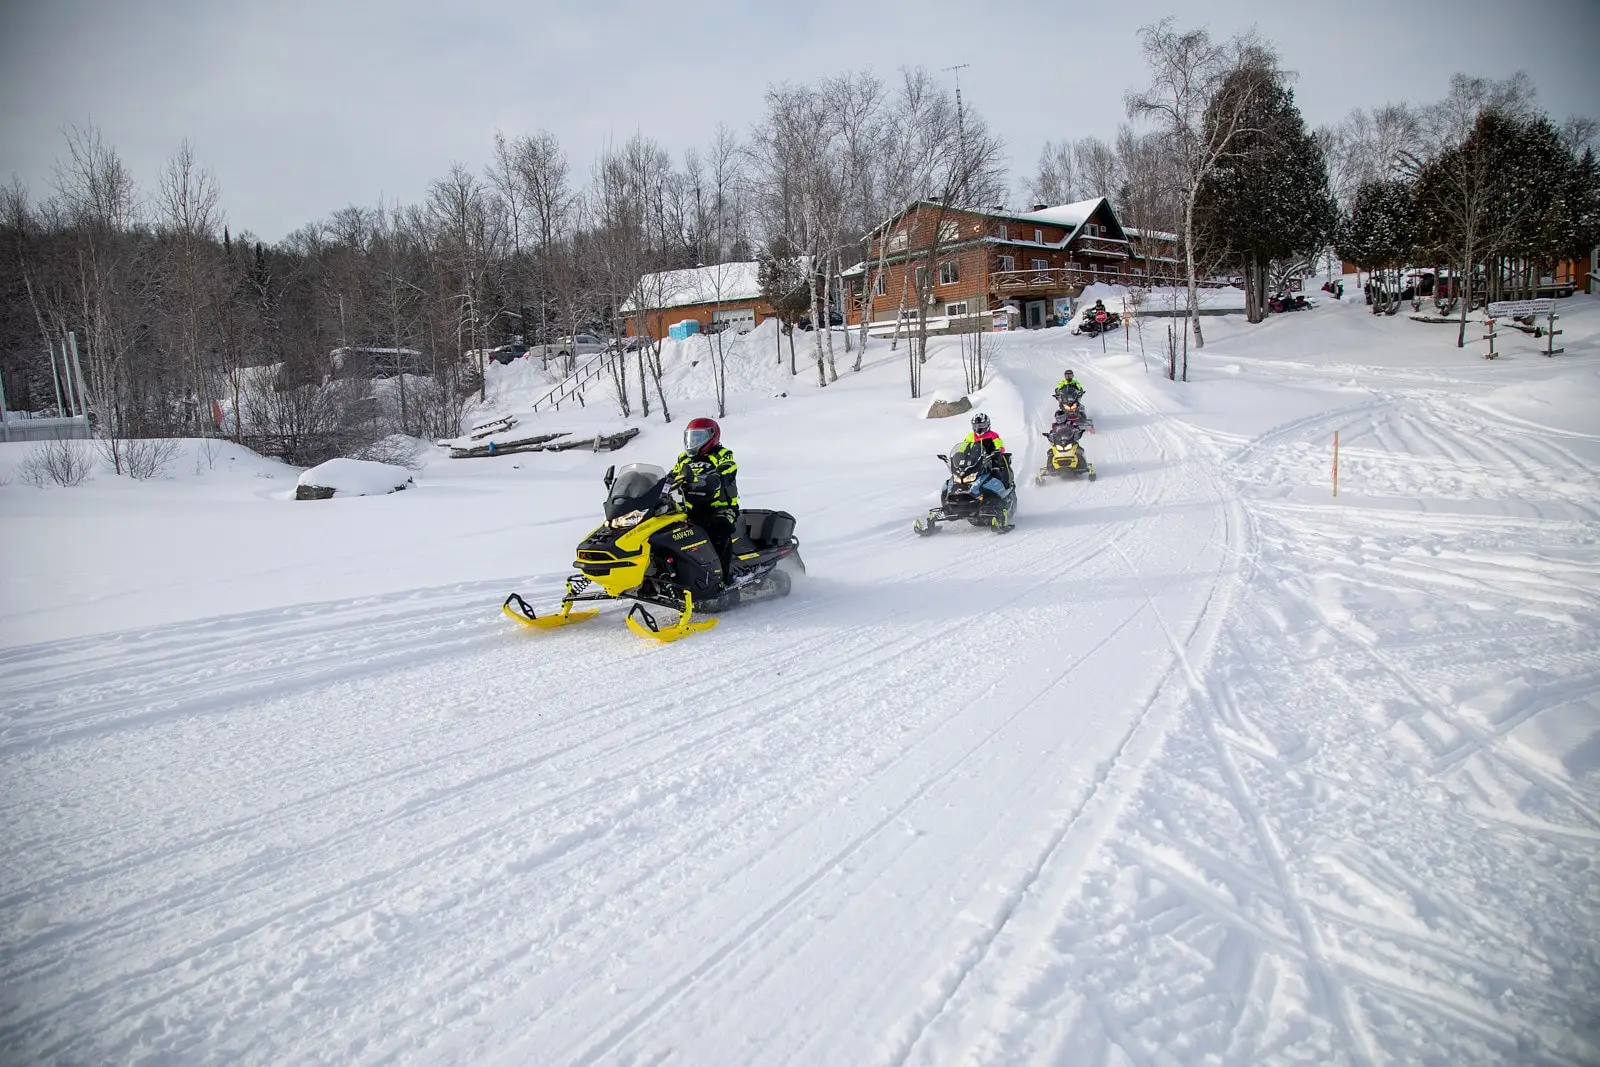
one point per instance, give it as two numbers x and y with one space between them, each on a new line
1096 321
1281 302
964 497
1066 458
648 552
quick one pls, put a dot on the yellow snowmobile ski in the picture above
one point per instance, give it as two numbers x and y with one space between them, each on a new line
528 617
641 622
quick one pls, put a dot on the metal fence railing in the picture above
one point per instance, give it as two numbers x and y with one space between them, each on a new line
571 387
73 428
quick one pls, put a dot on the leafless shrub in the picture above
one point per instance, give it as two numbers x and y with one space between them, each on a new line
437 410
397 450
61 462
140 458
210 450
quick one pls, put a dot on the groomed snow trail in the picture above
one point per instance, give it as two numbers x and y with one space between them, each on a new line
397 830
1371 832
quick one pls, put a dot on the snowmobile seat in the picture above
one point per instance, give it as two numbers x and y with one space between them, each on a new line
766 529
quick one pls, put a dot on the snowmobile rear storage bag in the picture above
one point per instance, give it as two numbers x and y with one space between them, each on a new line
766 528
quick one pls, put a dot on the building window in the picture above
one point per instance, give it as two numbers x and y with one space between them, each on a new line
922 278
949 232
1005 234
1008 263
1041 264
880 284
1091 229
1038 237
898 242
908 314
949 273
957 308
1137 272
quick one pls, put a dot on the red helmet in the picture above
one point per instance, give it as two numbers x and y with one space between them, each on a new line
701 436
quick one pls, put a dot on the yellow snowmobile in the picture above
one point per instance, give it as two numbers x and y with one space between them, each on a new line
1066 458
648 552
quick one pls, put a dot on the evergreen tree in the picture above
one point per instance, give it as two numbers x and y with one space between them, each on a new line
781 273
1269 197
1462 203
1379 235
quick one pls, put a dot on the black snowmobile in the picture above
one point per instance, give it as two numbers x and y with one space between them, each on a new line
1096 321
1070 400
964 499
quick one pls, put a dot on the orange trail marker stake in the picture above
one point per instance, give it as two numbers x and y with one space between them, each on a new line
1336 463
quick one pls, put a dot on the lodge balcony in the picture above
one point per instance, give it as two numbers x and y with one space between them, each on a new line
1103 246
1052 280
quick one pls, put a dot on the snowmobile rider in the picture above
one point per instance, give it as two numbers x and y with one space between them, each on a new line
1069 382
989 441
1066 424
707 475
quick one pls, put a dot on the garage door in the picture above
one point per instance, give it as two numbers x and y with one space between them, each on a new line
739 319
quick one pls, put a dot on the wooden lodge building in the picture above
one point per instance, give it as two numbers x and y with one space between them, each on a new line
1036 262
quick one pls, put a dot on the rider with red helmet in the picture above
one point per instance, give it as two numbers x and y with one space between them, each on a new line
707 475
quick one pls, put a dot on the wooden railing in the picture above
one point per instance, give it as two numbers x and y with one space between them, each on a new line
1102 246
1049 278
1058 278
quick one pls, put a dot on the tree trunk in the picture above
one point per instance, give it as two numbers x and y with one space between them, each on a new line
900 311
844 298
1194 284
1252 307
816 338
826 321
655 372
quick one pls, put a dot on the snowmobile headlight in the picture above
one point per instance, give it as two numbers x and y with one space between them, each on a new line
632 518
966 479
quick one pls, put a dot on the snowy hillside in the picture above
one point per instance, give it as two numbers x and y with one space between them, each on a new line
1199 765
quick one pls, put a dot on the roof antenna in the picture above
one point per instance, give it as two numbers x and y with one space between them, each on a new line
961 128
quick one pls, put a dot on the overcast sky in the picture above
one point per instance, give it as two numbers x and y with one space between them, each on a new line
300 108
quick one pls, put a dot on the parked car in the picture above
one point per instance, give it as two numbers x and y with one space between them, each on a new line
506 353
583 344
834 319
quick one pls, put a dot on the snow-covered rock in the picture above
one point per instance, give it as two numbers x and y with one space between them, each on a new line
351 477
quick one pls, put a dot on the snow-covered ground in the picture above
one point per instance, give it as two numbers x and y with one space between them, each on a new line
1200 765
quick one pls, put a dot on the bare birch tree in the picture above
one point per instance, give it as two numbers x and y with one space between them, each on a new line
1187 72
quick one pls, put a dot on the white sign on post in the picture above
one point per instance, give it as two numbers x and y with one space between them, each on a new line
1505 309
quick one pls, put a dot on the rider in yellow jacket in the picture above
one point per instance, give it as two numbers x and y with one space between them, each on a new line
707 475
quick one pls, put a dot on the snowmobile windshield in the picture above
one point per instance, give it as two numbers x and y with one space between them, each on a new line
967 457
1065 433
637 487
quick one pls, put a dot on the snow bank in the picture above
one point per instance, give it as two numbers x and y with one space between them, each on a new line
352 477
757 367
1228 298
